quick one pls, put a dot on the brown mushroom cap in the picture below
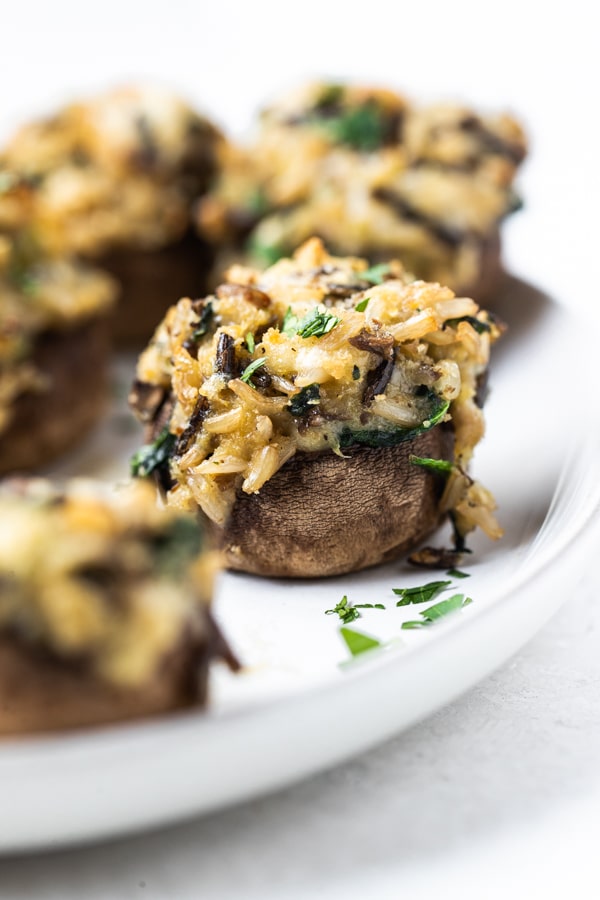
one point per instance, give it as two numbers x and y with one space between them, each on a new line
45 424
39 693
325 515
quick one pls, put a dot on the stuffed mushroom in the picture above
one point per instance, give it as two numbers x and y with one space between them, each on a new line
321 414
376 176
53 346
112 180
104 607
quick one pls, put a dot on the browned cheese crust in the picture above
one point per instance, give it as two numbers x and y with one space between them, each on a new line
370 507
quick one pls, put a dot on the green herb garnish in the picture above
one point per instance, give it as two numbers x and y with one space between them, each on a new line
178 547
27 283
438 466
362 127
362 305
204 322
290 323
479 326
391 437
265 254
438 611
152 456
421 594
357 642
456 573
251 369
317 323
250 343
345 610
376 274
257 202
301 402
355 373
348 612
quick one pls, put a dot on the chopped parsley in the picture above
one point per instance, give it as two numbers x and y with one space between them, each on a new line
421 594
151 456
317 323
355 373
361 127
479 326
348 612
27 283
362 305
376 274
250 343
204 322
257 202
251 369
175 549
301 402
265 254
357 642
290 323
344 610
438 466
438 611
390 437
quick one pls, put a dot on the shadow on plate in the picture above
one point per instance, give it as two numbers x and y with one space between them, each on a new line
523 308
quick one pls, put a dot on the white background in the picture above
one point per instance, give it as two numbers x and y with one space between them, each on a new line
499 794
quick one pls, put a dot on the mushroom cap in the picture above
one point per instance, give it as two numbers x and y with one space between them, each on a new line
323 514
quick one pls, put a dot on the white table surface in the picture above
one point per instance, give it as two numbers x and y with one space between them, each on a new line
499 794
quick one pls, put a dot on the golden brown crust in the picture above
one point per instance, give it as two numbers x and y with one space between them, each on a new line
45 424
326 515
39 694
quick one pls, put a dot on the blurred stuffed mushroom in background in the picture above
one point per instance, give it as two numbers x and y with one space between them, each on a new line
373 175
104 607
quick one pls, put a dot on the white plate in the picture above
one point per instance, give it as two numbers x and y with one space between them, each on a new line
296 710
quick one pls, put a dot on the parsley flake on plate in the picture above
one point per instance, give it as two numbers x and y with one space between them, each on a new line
357 642
423 593
438 611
